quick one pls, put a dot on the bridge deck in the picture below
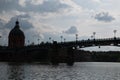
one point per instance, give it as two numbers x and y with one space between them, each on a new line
91 42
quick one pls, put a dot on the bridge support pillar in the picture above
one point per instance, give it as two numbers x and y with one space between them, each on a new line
70 56
54 54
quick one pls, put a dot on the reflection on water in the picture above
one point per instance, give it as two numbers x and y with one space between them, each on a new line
80 71
15 71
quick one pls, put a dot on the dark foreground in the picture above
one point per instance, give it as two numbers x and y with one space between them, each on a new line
55 54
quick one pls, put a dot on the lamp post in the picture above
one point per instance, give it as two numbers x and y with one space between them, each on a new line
64 40
33 39
61 38
0 36
50 39
91 37
38 41
114 33
76 37
28 42
94 33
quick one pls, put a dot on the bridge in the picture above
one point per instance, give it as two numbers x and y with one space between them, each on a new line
53 52
92 42
65 49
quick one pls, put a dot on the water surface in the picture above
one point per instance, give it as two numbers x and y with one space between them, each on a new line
80 71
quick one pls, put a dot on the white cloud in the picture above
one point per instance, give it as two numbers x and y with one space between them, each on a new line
22 3
7 15
37 2
98 1
74 7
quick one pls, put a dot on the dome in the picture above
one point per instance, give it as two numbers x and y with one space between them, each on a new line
16 31
16 36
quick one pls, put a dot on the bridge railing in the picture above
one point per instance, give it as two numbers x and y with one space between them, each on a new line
89 42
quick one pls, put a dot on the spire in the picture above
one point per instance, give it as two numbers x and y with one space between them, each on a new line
17 24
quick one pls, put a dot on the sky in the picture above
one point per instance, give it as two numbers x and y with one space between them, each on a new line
42 19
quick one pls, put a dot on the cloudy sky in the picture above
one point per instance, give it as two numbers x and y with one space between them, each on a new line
41 19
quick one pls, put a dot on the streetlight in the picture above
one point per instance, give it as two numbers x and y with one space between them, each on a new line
91 36
50 39
64 39
38 41
28 42
76 37
94 33
1 37
114 33
61 38
33 39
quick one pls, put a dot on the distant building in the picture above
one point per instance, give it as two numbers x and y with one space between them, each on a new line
16 38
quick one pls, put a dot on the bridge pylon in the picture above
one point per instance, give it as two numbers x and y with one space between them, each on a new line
54 54
70 56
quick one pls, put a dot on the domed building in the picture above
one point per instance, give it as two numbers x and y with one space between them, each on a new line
16 38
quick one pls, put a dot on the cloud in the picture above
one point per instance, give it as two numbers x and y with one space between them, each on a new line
22 3
46 6
3 32
37 2
98 1
88 4
2 23
23 16
23 19
71 30
104 16
8 5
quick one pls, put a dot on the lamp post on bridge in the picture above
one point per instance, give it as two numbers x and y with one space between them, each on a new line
50 39
94 33
33 40
61 38
64 40
91 36
76 37
38 41
28 42
1 37
115 31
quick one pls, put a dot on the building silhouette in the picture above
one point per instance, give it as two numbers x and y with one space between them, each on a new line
16 38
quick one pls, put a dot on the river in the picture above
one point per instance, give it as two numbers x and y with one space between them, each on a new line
80 71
